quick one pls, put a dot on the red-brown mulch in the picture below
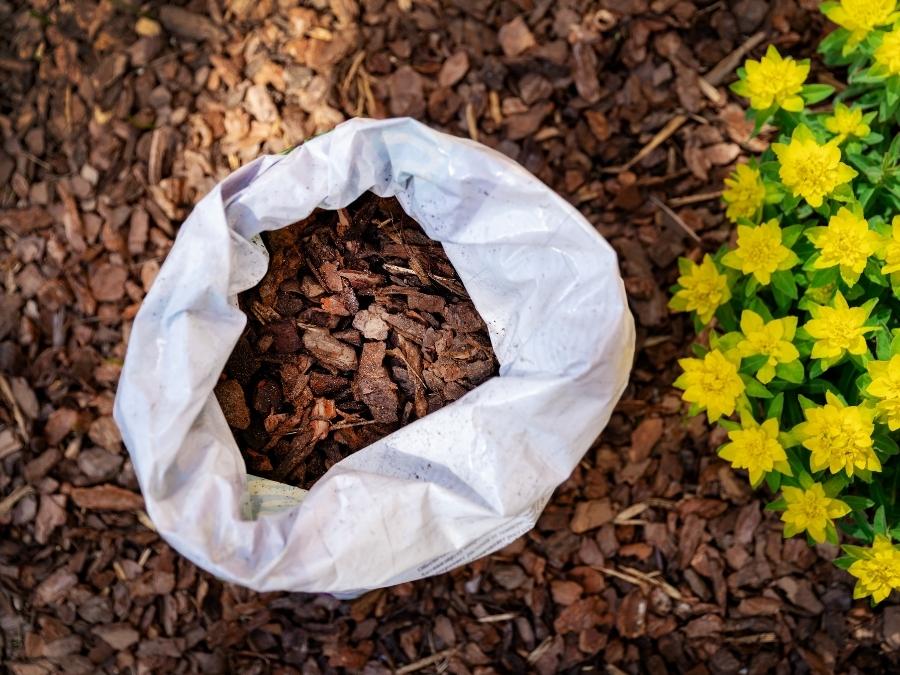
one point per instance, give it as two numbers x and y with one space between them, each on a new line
116 117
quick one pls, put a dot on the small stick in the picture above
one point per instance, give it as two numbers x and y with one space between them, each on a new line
424 663
675 217
721 70
347 425
695 199
494 618
661 137
471 122
7 504
7 392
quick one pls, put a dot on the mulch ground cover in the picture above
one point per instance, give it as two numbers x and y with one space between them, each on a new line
654 556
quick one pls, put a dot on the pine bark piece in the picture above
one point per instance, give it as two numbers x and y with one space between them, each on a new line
373 386
189 25
107 498
329 350
231 398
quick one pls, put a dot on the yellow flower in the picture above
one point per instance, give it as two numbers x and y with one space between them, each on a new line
712 383
878 573
860 17
811 170
838 329
885 386
839 437
760 252
773 81
846 122
810 511
703 290
744 193
773 339
756 448
847 242
887 55
892 249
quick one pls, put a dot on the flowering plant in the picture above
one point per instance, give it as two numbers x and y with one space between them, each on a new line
802 367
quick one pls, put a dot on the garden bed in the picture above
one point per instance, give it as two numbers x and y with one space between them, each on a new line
654 556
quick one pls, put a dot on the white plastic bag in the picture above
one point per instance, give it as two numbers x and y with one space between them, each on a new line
442 491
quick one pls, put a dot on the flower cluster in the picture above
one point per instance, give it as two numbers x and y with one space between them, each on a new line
802 309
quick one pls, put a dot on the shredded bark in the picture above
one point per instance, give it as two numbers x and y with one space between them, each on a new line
360 326
116 117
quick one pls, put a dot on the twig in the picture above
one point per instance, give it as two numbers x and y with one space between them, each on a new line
6 390
753 639
9 502
494 618
347 425
723 68
471 122
695 199
630 512
675 217
538 651
710 91
651 578
661 137
641 580
424 663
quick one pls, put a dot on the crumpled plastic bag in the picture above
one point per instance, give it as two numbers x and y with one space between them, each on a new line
444 490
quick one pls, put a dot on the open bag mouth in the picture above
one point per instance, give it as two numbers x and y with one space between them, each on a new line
443 490
360 326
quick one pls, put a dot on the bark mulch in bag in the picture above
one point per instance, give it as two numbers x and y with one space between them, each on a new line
360 326
466 479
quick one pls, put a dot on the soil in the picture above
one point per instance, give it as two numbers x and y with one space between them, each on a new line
653 557
360 326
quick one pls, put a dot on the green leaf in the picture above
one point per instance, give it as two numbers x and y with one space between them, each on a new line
726 316
843 562
816 369
790 234
864 525
754 388
857 503
880 521
832 44
777 505
791 372
873 273
775 407
773 480
835 484
753 363
885 444
806 403
883 343
826 277
685 266
751 287
895 343
815 93
784 283
790 202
